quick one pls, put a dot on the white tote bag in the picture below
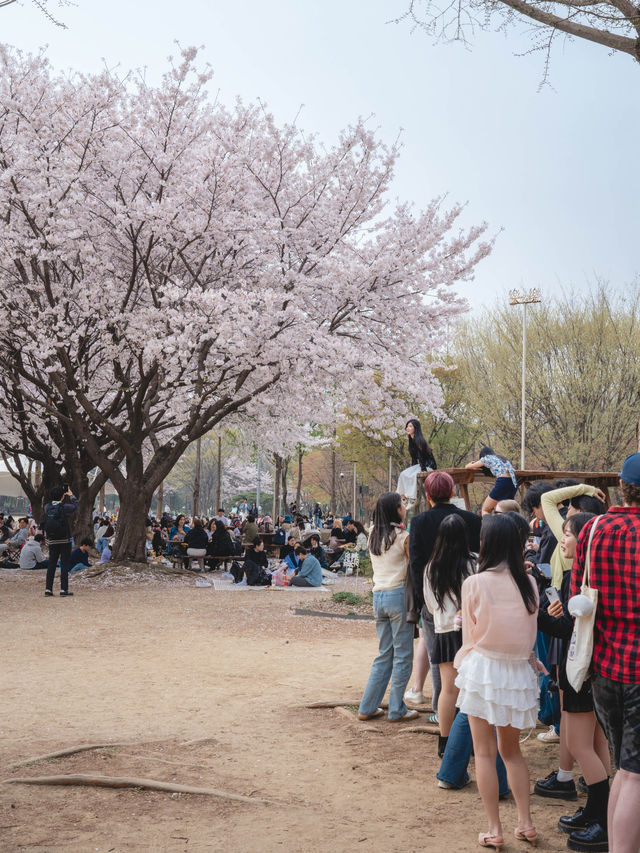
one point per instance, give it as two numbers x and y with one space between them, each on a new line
581 645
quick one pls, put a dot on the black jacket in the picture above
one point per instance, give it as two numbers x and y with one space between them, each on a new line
221 545
196 538
422 538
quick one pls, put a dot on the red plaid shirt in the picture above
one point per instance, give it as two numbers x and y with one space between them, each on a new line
615 573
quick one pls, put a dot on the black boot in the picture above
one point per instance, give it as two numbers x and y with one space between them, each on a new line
442 745
594 836
593 839
573 822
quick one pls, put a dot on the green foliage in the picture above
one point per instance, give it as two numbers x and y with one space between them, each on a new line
350 598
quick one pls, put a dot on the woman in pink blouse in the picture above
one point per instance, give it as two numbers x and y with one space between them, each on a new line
496 669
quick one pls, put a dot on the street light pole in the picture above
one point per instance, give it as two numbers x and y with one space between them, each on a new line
524 299
355 489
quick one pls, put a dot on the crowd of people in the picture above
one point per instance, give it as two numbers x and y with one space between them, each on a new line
494 599
498 596
298 549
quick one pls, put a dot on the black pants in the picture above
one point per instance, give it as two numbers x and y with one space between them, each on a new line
62 551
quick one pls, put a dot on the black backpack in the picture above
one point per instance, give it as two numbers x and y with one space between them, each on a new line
55 523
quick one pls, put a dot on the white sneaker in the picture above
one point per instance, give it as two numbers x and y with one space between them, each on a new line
415 696
409 714
549 736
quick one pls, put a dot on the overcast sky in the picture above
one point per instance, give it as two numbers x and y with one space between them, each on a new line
556 169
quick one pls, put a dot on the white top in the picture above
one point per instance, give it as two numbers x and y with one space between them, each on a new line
442 617
390 568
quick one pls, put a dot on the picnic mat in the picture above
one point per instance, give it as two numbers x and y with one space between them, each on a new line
224 584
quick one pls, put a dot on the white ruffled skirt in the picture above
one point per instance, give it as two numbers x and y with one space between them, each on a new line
502 692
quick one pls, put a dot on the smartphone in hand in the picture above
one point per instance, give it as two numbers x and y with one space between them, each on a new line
552 594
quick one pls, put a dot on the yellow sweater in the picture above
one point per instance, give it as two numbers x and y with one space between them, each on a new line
549 503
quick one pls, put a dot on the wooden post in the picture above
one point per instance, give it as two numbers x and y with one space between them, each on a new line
219 475
196 479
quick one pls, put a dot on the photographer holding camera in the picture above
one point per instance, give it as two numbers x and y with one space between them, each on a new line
55 523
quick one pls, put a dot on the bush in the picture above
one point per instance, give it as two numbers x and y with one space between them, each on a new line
349 598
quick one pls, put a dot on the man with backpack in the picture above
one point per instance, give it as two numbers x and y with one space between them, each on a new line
55 523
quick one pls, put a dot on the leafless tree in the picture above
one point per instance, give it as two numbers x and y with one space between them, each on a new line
615 24
43 5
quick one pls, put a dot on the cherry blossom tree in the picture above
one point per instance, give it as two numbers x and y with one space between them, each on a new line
170 263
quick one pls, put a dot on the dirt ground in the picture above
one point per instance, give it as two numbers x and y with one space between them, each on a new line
208 689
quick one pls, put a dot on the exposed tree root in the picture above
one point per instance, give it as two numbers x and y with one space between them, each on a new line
132 782
334 703
83 747
200 741
430 730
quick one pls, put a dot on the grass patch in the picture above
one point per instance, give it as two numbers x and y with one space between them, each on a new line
350 598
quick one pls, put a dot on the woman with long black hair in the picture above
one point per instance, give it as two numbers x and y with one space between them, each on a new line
450 563
497 676
389 549
422 459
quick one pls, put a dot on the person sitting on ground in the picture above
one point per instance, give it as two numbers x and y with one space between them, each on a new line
292 561
31 556
19 537
79 558
104 535
287 549
316 549
310 571
256 564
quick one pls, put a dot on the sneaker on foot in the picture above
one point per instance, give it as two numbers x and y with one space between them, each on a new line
415 696
449 786
550 787
48 592
378 713
65 593
550 736
409 714
433 718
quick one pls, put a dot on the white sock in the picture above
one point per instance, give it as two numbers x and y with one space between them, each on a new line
565 775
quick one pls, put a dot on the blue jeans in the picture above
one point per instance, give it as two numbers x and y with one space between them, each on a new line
549 702
101 544
453 768
78 568
395 655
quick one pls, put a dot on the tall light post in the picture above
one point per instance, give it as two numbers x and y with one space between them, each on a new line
524 299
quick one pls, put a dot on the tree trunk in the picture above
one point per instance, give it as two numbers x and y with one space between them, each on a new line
332 503
101 499
276 487
196 479
159 506
83 519
131 529
283 477
299 484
